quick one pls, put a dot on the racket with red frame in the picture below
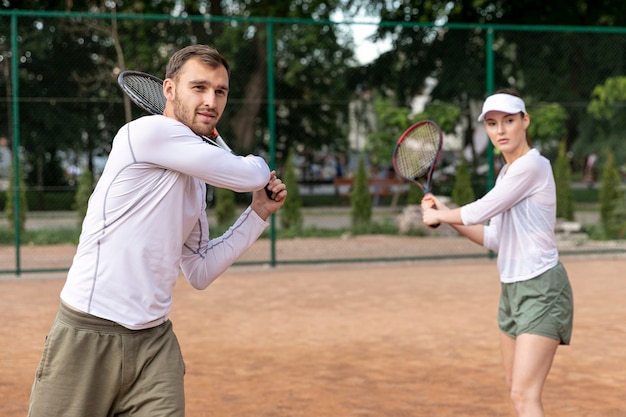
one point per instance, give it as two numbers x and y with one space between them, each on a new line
417 153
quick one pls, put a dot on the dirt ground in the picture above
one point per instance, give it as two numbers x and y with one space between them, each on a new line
385 340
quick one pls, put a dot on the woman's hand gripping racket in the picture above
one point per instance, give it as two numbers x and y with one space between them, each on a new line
146 91
417 152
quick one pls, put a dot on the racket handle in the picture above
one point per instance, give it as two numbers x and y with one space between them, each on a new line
269 193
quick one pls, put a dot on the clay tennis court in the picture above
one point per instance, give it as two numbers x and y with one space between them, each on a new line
370 339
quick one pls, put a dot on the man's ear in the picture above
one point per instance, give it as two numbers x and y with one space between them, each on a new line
168 88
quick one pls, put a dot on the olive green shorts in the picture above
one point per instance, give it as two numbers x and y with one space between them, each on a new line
97 368
543 306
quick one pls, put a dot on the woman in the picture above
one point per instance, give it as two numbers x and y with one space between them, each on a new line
516 219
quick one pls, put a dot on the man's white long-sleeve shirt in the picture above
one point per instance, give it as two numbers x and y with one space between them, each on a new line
522 212
146 220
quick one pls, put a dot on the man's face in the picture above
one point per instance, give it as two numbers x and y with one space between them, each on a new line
199 96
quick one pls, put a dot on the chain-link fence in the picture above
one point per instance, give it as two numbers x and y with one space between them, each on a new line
297 85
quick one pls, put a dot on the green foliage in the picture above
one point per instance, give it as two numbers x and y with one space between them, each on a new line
224 206
393 120
85 188
444 114
563 181
45 236
360 199
606 97
53 235
612 210
547 122
462 191
9 209
548 126
291 211
607 122
586 196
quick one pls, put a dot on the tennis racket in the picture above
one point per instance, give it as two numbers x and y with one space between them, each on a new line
417 152
146 91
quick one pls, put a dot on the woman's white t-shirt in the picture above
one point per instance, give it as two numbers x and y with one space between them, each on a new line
521 209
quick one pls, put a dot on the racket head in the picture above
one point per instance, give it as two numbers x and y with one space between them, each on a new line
417 152
145 90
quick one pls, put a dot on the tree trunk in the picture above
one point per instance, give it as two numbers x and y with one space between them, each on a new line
245 120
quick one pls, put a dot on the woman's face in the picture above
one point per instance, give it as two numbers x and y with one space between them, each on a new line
507 132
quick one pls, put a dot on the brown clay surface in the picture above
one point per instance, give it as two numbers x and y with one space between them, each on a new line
385 340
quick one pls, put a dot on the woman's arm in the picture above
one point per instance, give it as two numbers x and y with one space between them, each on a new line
434 212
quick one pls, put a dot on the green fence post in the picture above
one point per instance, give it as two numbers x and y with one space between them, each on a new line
16 140
490 86
271 127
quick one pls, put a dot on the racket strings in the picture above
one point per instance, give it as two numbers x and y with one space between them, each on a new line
150 91
417 152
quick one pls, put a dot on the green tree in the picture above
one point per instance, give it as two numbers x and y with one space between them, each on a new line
224 206
83 107
291 212
611 199
85 188
309 62
548 127
456 58
9 209
394 119
563 181
462 191
607 108
360 199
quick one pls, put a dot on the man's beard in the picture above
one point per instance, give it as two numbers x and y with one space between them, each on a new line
186 117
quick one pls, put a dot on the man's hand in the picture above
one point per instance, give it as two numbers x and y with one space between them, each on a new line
263 205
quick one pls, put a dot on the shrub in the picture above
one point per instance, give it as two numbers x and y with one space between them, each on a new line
224 206
9 209
291 211
462 191
360 199
611 199
85 188
563 181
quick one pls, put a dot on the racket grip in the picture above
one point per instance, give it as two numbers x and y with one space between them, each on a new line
269 193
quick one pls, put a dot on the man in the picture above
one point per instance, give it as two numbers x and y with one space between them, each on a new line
111 350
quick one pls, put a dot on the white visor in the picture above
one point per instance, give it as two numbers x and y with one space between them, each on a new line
506 103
